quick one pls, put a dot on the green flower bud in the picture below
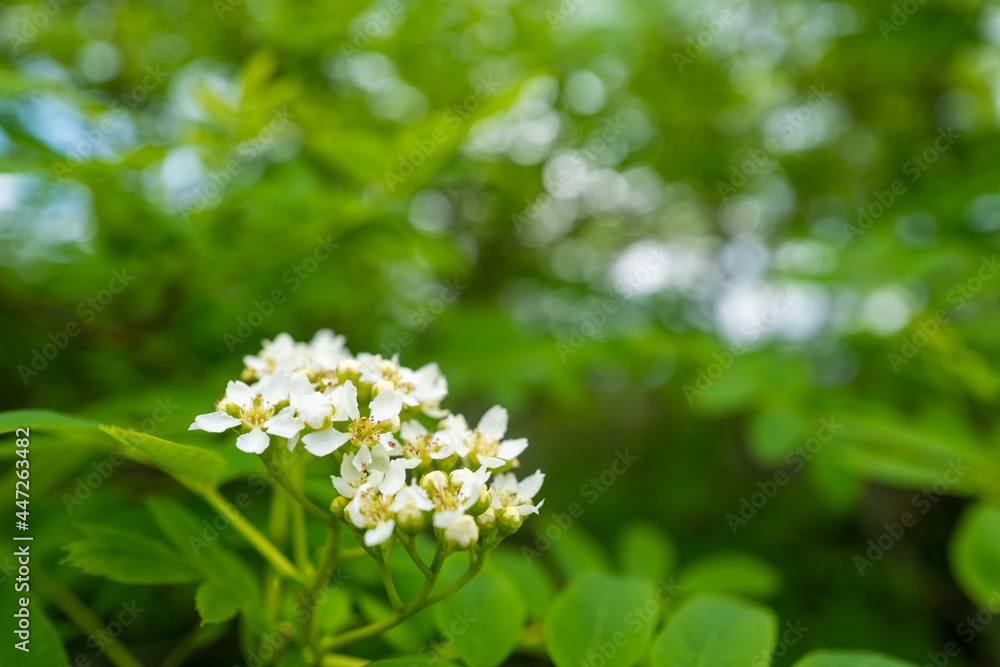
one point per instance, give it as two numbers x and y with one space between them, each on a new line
462 533
349 369
433 482
482 504
509 521
410 520
338 505
487 522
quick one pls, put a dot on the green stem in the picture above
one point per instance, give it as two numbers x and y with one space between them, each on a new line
338 660
456 585
326 564
278 530
264 546
277 472
82 616
390 587
409 543
351 554
300 538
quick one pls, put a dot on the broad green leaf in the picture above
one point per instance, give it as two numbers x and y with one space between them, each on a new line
127 557
850 659
975 553
333 610
532 580
734 572
574 549
484 619
411 661
644 550
12 420
716 630
410 636
190 462
200 545
214 603
601 617
46 648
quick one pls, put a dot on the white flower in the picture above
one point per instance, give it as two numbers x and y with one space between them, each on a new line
351 478
486 442
450 437
282 353
370 508
425 387
367 432
452 495
507 492
462 532
327 351
307 408
251 407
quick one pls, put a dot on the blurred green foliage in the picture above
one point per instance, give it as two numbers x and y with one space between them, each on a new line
691 231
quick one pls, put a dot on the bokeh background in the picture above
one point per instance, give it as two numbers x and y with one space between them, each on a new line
689 230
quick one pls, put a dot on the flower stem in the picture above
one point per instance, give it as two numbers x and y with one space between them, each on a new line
326 564
409 543
264 546
390 587
276 469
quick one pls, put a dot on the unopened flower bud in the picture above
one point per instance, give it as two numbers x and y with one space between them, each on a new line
410 520
434 481
509 521
462 532
380 386
487 522
230 408
482 504
449 463
338 505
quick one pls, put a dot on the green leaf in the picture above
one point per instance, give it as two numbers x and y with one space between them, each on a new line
850 659
46 648
716 630
532 580
644 550
485 619
732 572
410 636
333 610
12 420
214 603
975 553
127 557
411 661
183 460
601 617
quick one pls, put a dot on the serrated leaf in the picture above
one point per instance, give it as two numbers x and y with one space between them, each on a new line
733 572
850 659
189 462
600 617
644 550
716 630
127 557
484 619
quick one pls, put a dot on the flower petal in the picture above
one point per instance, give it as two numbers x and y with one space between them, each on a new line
284 424
240 394
386 405
380 533
511 449
345 402
530 485
214 422
254 442
494 422
324 442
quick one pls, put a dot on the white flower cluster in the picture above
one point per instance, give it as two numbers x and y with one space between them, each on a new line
314 392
